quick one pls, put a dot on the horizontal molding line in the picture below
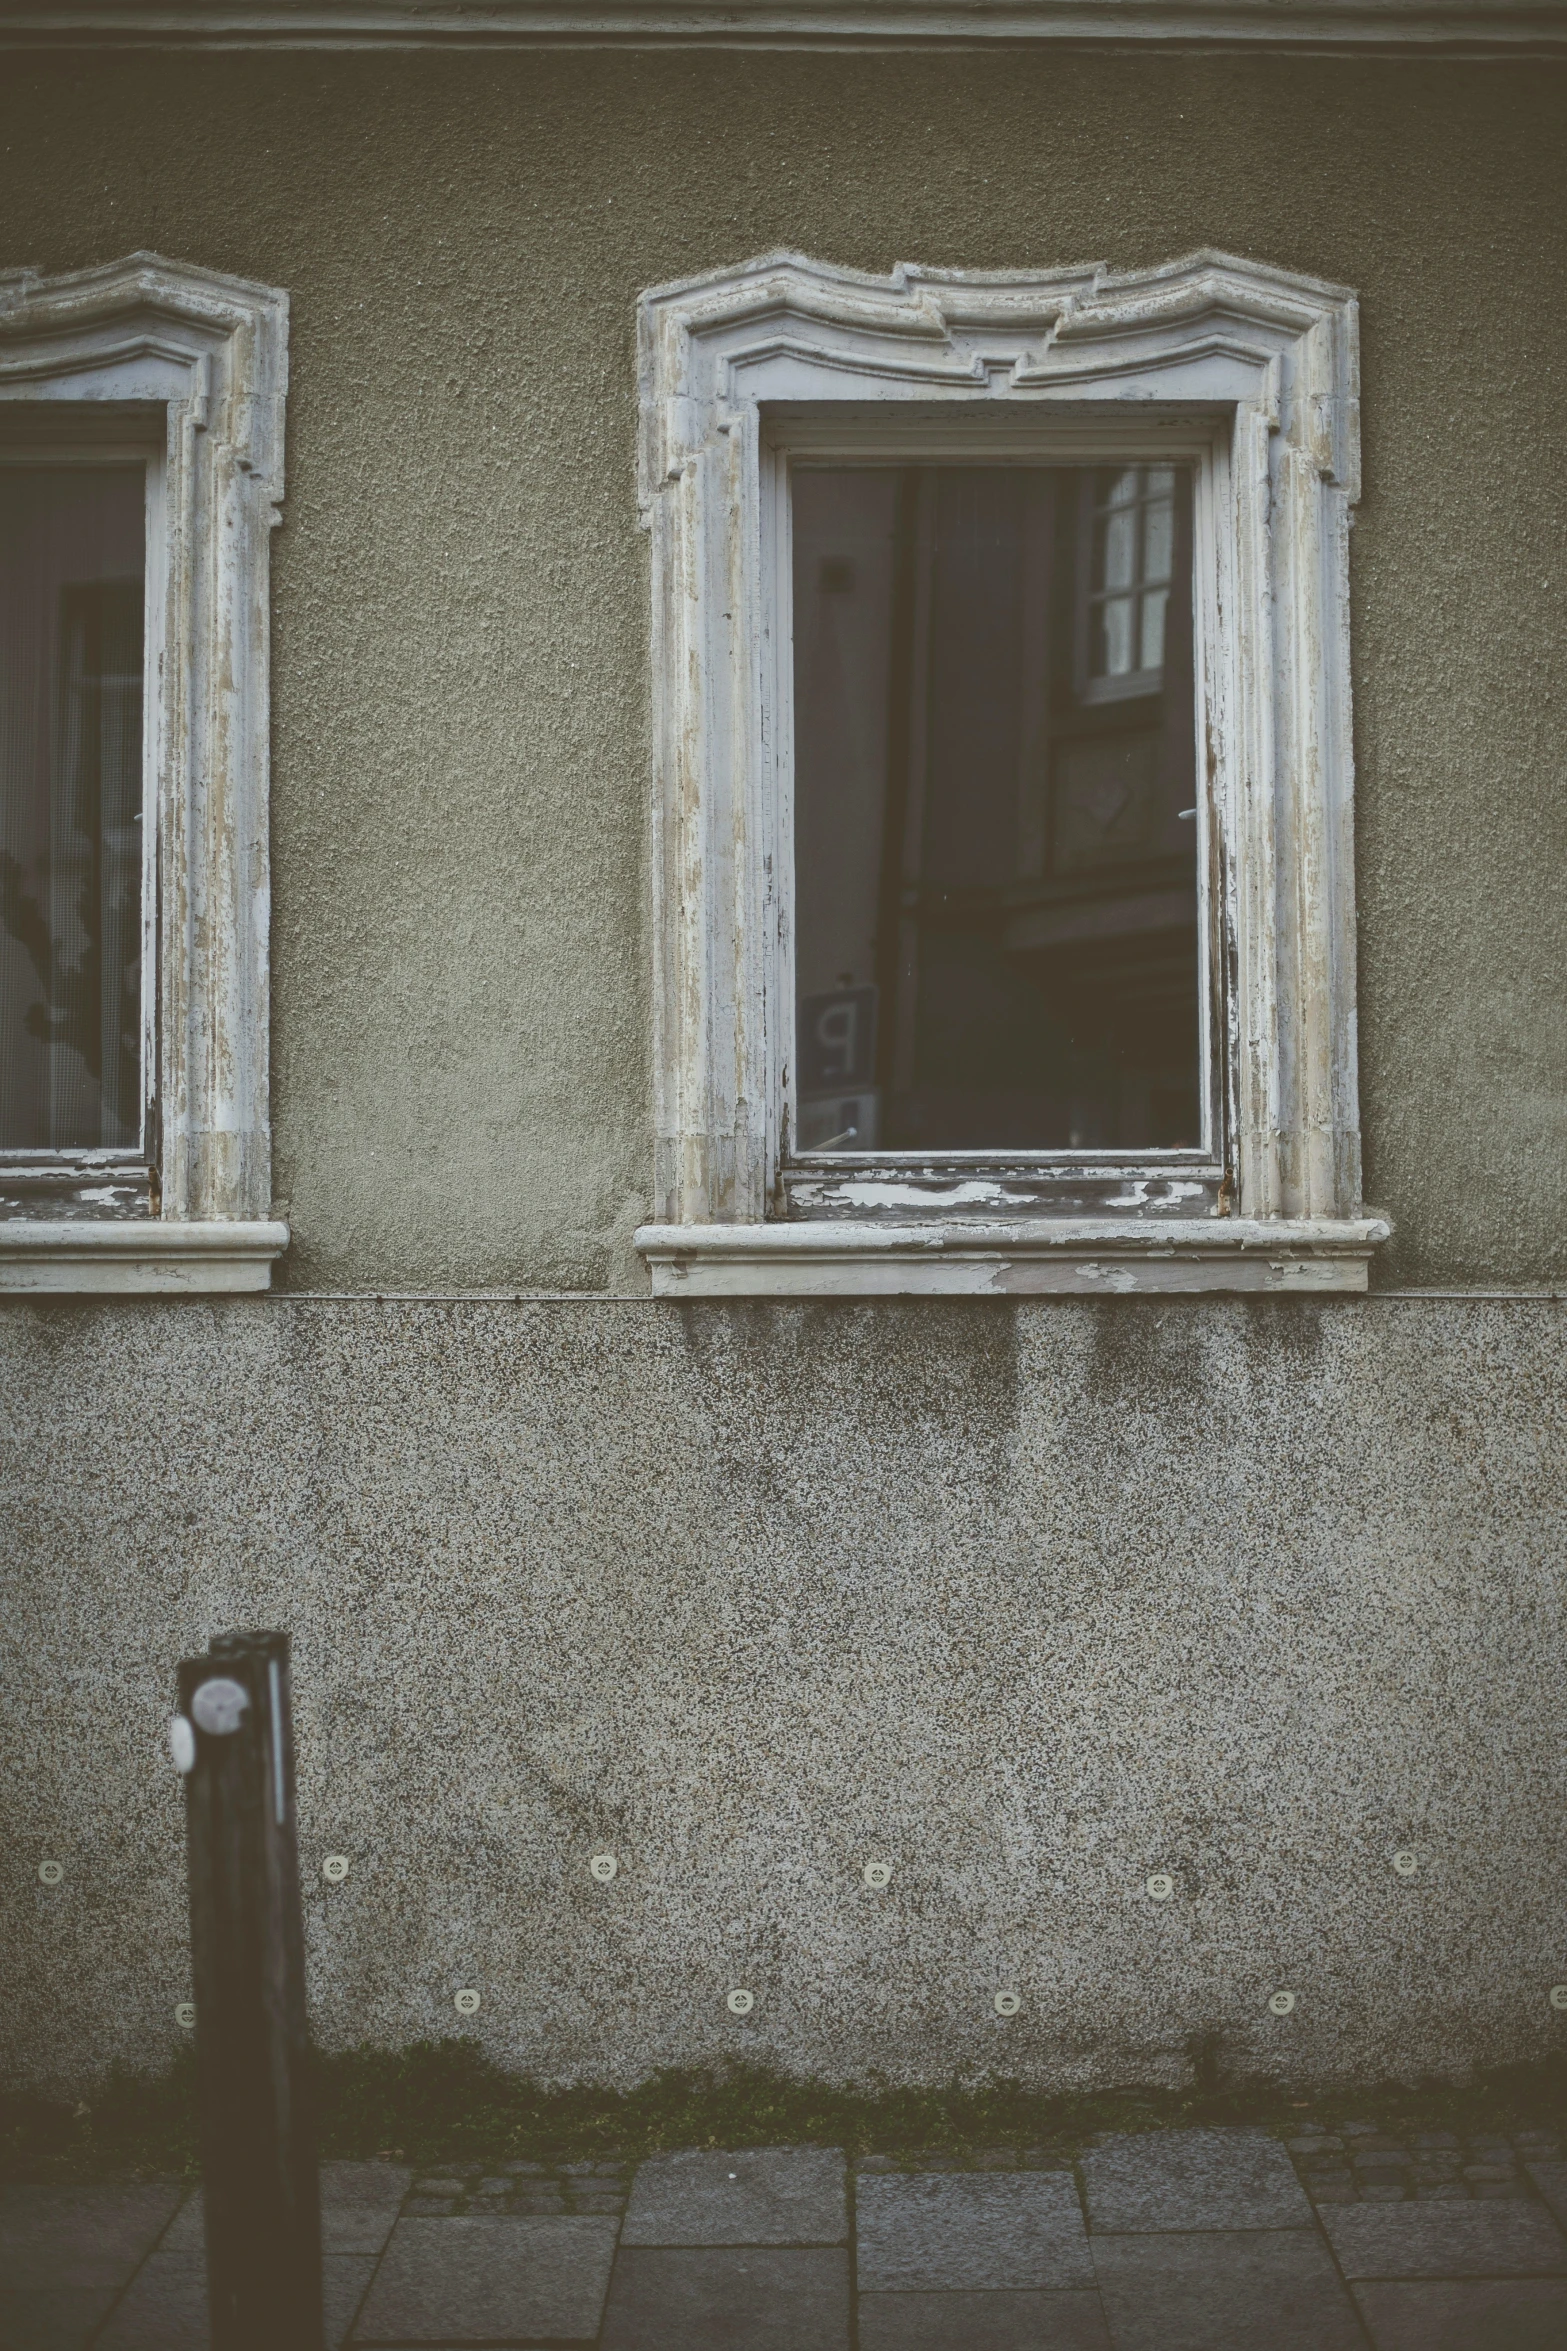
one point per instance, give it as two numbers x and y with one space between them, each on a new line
137 1256
277 1297
1351 27
632 1298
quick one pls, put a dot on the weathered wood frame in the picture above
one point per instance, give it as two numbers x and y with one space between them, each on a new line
1254 371
206 356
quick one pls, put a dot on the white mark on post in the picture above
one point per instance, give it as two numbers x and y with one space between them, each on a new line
219 1706
50 1873
182 1745
741 2003
335 1868
1407 1863
1160 1887
877 1873
603 1866
185 2013
1559 1995
1282 2003
1008 2003
467 2003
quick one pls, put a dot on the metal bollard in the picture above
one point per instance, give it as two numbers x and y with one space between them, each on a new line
233 1741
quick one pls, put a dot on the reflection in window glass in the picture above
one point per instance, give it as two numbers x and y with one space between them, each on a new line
995 858
1133 562
71 559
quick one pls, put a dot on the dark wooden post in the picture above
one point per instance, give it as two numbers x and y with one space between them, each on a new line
258 2154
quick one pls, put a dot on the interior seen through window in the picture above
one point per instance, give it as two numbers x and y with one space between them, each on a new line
996 908
71 561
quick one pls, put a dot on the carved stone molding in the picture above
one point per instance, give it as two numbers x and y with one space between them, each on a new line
1456 28
1026 1257
1258 368
210 353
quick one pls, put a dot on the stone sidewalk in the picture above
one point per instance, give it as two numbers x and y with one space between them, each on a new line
1197 2240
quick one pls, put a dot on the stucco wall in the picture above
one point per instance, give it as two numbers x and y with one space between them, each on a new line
1031 1600
460 778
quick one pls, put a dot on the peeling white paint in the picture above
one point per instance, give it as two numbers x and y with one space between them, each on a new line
1258 368
212 352
871 1194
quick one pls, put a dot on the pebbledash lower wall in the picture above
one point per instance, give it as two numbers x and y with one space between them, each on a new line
1032 1601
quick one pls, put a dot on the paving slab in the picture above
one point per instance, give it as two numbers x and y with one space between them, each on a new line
1445 2240
344 2278
760 2196
359 2206
187 2231
1466 2314
729 2298
1203 2179
1551 2180
165 2309
954 2230
478 2278
983 2322
1224 2290
55 2238
59 2321
166 2306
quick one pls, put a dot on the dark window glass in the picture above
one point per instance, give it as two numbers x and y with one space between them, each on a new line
995 848
71 553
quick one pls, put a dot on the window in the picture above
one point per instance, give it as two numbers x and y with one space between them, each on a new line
1004 926
140 448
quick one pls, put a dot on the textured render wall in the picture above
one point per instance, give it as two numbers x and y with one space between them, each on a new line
460 778
1031 1600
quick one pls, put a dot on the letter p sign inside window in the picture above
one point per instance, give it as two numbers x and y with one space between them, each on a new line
837 1040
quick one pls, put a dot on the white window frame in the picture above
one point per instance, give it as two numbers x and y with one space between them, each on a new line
201 360
1248 373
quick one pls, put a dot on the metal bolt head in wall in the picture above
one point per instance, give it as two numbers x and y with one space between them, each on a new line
877 1873
603 1867
1160 1887
182 1745
741 2003
467 2003
1282 2003
219 1706
185 2013
1559 1995
1008 2003
335 1868
1407 1863
50 1873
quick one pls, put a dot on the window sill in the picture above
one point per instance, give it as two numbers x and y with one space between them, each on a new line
1082 1257
136 1255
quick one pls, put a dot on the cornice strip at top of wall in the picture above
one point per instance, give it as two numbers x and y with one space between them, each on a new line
1467 28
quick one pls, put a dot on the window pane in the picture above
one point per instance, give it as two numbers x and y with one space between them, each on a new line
1120 548
995 884
71 557
1158 538
1151 655
1117 615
